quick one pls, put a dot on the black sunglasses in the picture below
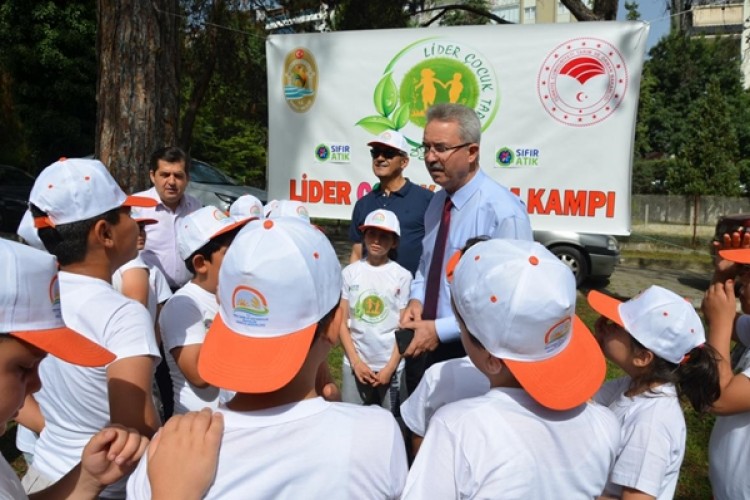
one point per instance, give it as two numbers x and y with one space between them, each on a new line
385 153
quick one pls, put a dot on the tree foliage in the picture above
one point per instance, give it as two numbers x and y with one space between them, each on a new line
359 15
47 80
708 162
457 17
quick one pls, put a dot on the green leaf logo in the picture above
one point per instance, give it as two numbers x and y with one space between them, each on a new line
376 124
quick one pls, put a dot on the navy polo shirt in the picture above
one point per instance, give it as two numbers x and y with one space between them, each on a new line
409 204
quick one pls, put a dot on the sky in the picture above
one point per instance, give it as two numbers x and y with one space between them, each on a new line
653 12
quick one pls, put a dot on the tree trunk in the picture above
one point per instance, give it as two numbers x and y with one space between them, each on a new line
137 87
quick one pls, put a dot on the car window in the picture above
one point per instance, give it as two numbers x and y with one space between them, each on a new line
203 172
11 176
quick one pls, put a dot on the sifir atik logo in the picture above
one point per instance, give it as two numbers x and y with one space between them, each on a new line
520 157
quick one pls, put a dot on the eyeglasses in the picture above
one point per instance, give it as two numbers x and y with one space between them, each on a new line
385 153
440 148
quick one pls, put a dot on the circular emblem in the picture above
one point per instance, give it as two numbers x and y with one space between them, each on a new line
300 79
582 81
249 306
370 307
427 72
322 152
504 157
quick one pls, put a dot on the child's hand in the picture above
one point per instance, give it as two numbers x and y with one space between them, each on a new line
183 456
725 269
383 377
111 454
363 373
719 306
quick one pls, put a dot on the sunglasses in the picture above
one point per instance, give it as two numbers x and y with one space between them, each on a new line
385 153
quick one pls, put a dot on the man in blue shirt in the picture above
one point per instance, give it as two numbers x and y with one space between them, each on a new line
394 192
475 205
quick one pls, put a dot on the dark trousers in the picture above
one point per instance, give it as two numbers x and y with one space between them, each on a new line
415 367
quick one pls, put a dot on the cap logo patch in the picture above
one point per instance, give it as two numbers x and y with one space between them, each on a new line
303 212
54 296
378 218
255 210
557 335
219 215
249 306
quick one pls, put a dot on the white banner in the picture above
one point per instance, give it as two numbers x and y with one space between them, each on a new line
557 104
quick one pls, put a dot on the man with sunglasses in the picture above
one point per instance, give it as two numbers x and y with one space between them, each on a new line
470 204
394 192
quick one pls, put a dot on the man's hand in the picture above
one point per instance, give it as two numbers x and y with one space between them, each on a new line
183 456
412 312
725 269
425 337
111 454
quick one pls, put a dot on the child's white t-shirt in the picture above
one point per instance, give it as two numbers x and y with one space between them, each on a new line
376 296
441 384
653 438
74 400
310 449
184 321
505 445
159 290
728 449
10 485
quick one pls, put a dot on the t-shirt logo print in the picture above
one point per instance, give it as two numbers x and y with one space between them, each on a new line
370 307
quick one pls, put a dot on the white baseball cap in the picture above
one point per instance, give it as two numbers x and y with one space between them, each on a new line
392 139
30 307
288 208
246 205
201 226
519 301
141 217
27 231
382 219
72 190
662 321
279 278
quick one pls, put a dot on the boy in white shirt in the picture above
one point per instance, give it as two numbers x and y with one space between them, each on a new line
534 434
31 326
83 218
279 289
202 240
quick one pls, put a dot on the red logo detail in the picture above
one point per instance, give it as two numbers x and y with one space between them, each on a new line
582 81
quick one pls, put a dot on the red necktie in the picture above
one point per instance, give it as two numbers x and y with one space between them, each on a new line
433 284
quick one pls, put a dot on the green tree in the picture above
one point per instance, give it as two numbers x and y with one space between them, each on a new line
359 15
633 13
47 80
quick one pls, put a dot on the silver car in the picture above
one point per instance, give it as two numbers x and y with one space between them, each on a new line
213 187
587 255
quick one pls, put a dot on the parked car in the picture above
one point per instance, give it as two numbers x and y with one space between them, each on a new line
587 255
15 186
213 187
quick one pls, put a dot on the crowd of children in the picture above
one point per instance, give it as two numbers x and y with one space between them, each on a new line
526 414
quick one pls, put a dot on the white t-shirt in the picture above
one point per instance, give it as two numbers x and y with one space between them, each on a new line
728 450
10 485
310 449
441 384
653 438
184 320
159 290
505 445
74 399
376 295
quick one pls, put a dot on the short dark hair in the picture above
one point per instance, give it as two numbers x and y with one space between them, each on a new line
169 154
213 246
69 242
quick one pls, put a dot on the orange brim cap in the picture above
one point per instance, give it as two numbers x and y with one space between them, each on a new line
139 201
607 306
567 380
67 345
738 255
252 364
